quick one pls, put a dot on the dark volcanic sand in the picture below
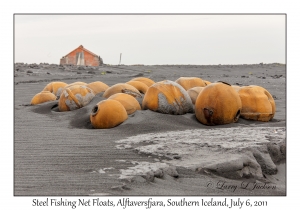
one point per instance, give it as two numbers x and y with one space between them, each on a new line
59 153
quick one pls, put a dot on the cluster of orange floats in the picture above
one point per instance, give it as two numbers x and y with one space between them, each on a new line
213 103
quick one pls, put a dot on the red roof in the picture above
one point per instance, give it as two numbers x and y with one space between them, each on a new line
83 50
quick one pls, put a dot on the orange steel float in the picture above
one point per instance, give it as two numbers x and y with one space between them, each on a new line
121 88
206 82
98 86
108 114
194 92
75 97
144 80
142 87
76 83
55 87
190 82
236 87
167 97
128 101
218 104
42 97
257 103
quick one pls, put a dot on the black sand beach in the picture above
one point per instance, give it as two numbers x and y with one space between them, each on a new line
59 153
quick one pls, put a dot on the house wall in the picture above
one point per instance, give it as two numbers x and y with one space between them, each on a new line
91 60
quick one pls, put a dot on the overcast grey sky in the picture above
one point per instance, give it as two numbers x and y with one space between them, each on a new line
153 39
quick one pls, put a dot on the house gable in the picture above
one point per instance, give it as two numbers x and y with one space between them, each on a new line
81 56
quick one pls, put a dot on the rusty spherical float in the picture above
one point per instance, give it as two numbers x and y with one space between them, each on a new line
194 92
75 97
70 85
190 82
206 82
121 88
42 97
108 114
55 87
236 87
167 97
217 104
142 87
98 86
76 83
257 103
128 101
144 80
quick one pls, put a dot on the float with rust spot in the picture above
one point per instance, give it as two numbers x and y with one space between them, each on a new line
190 82
167 97
108 114
257 103
218 104
75 97
42 97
